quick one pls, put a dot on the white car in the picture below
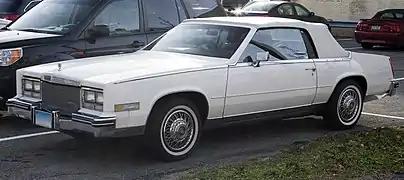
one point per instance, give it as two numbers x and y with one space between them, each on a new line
201 73
4 22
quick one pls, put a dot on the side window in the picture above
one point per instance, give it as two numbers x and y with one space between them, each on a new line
301 11
121 17
399 15
289 42
161 14
281 43
387 16
286 10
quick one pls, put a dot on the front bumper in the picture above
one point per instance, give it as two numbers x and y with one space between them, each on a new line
77 123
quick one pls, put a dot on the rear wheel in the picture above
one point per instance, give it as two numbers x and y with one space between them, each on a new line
345 106
367 46
173 129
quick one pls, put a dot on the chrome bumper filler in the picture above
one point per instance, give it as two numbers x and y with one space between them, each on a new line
391 92
393 88
79 122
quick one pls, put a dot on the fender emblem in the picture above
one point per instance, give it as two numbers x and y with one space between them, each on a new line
59 66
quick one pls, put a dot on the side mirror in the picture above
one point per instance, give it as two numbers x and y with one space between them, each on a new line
98 31
312 14
260 56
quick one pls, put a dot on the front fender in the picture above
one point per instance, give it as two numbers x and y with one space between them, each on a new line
170 91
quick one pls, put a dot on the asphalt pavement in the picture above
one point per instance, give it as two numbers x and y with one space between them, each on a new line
24 154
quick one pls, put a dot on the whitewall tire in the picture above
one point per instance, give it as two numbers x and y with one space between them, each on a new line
173 129
344 108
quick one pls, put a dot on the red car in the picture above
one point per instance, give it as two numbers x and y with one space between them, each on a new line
385 28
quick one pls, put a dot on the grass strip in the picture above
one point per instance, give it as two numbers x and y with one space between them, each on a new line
345 156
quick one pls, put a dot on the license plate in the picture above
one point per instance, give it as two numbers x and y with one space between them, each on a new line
43 119
375 28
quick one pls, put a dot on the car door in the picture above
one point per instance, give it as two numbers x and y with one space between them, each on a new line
160 16
122 19
286 81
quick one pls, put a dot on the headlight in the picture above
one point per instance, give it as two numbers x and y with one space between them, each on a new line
92 99
10 56
31 87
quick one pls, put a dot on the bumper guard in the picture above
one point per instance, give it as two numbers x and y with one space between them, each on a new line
78 122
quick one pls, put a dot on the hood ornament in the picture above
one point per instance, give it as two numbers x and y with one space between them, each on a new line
59 66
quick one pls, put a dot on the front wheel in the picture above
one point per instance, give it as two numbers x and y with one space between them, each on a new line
345 106
173 129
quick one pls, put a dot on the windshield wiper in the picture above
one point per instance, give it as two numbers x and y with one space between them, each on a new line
36 30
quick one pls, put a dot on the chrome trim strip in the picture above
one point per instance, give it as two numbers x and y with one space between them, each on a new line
95 118
269 92
172 73
91 89
218 97
325 86
278 109
31 78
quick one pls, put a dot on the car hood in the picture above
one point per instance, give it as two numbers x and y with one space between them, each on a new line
12 36
124 67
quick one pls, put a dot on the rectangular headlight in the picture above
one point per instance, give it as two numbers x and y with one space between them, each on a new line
31 87
92 99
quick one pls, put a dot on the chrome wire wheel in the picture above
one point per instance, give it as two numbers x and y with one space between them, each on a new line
349 105
179 130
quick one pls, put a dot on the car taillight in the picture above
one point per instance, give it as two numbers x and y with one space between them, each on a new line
391 28
392 69
11 17
361 26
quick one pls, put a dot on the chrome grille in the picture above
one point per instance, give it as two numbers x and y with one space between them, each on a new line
62 98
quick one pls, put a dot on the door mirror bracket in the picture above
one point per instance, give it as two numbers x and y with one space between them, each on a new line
260 56
97 31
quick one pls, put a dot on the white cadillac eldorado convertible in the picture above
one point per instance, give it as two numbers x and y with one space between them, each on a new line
201 73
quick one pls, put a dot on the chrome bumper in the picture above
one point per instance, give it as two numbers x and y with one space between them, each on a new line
79 122
393 88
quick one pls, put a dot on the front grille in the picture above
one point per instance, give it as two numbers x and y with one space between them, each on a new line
62 98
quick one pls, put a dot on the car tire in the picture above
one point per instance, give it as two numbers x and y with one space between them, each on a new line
178 118
366 46
348 96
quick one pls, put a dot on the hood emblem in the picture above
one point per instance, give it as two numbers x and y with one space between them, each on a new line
59 66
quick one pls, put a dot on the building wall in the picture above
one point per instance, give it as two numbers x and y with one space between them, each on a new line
349 9
342 9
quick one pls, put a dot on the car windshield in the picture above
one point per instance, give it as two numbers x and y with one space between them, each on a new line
54 16
258 6
201 39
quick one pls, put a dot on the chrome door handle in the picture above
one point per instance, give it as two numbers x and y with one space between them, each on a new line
310 69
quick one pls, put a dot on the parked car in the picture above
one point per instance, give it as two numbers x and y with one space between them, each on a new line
57 30
385 28
12 9
201 73
283 9
4 22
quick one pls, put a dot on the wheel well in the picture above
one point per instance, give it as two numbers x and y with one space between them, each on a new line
360 80
197 98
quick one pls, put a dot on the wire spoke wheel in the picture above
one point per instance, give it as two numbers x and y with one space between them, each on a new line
349 105
179 129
